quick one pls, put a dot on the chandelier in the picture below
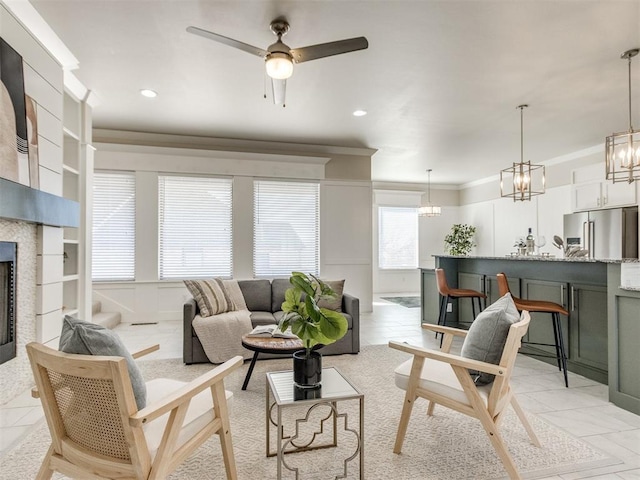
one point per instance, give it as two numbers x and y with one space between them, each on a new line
522 180
429 210
622 150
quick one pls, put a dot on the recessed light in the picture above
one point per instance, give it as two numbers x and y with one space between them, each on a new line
359 113
148 93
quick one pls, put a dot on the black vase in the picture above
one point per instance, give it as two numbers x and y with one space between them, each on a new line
307 369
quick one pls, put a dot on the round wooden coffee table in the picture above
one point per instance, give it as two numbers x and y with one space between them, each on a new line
258 345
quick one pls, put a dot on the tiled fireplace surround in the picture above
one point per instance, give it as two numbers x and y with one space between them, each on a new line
15 375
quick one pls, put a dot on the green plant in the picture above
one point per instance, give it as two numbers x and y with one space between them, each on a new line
314 325
460 240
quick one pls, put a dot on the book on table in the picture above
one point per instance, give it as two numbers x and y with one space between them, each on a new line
271 331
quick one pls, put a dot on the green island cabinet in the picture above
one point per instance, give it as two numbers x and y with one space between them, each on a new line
624 343
601 333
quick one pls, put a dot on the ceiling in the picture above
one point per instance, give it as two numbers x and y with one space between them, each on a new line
440 81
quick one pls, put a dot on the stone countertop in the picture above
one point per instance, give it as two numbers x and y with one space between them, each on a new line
630 289
540 258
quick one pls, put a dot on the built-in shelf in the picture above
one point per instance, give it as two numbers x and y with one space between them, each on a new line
70 169
69 133
69 311
75 177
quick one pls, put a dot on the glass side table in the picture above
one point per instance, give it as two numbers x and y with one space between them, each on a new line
335 388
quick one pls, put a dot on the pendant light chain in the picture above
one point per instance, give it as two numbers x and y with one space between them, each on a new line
521 107
630 119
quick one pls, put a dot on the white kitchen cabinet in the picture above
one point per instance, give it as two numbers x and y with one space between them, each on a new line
590 191
587 196
619 194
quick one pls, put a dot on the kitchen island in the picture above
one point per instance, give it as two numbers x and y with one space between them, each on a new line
602 332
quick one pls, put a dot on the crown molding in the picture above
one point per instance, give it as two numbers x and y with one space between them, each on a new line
228 144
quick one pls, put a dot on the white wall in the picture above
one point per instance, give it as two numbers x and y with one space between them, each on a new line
345 237
345 223
432 231
499 222
481 216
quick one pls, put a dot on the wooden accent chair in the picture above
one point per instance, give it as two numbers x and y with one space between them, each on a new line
447 292
97 431
542 306
431 379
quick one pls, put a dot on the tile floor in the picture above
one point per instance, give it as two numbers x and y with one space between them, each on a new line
582 409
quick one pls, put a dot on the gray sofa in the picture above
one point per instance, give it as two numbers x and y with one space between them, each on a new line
263 299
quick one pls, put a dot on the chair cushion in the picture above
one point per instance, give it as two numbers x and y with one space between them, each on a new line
199 413
86 338
335 303
257 294
488 334
210 295
437 377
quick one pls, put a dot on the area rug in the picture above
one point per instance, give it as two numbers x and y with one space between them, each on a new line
409 302
447 446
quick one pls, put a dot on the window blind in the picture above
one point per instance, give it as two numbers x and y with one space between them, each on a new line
195 224
397 237
285 228
114 227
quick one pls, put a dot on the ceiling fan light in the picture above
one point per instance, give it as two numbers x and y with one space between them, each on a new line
279 65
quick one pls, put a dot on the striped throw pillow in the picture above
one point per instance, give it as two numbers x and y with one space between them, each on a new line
210 295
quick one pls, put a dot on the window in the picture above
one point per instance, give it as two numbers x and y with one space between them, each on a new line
397 237
285 228
114 227
195 227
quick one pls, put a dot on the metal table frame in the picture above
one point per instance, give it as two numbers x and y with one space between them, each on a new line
279 383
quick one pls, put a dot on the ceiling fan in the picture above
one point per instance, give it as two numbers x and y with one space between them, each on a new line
279 57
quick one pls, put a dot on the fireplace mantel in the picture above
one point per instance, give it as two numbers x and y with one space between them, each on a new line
19 202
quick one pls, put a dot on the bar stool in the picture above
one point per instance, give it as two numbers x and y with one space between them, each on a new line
446 293
542 306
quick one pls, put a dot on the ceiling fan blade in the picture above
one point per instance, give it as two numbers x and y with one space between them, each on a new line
228 41
279 90
322 50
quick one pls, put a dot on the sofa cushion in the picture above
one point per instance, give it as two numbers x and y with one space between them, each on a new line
86 338
488 334
262 318
235 294
278 315
211 296
335 303
257 294
278 287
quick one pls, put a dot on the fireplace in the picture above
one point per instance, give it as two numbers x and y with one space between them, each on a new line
7 301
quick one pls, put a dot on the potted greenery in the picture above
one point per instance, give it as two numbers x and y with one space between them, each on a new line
312 324
460 240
